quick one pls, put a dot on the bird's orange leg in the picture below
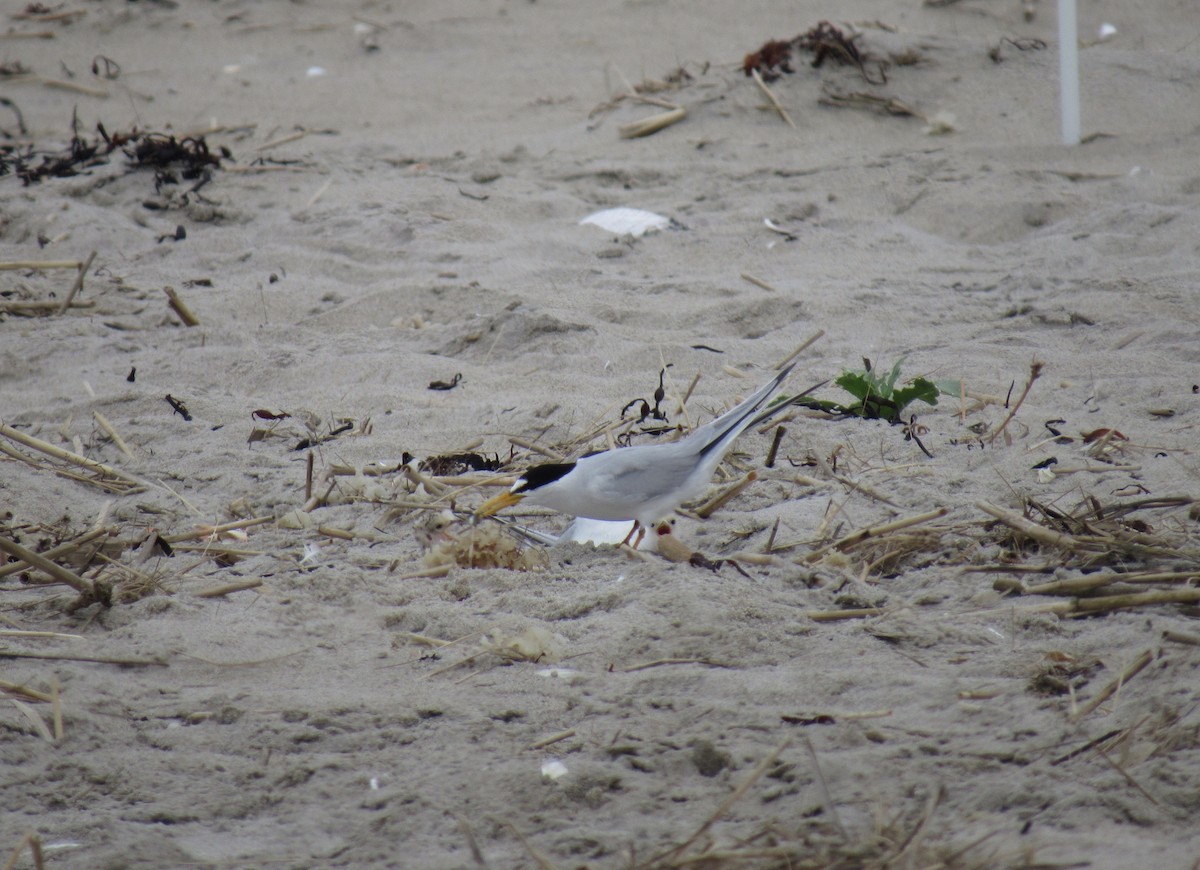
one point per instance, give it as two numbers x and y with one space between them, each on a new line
636 527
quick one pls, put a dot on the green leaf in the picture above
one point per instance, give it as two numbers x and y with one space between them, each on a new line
856 384
888 384
950 388
919 389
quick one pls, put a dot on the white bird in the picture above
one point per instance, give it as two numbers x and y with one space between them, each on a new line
644 483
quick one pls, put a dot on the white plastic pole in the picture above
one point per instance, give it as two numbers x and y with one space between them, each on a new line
1068 71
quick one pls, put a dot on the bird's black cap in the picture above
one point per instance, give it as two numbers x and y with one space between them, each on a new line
540 475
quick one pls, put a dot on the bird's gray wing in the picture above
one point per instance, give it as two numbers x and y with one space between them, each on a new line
647 474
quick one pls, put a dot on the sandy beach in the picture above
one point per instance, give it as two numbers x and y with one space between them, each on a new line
966 639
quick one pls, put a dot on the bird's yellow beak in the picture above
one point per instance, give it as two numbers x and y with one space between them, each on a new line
497 504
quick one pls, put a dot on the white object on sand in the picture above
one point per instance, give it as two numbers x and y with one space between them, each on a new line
599 532
596 532
559 674
627 221
1068 71
553 769
586 531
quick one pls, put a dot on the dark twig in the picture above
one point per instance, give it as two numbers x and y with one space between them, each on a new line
1035 372
21 128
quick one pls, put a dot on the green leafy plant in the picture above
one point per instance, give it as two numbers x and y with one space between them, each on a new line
876 394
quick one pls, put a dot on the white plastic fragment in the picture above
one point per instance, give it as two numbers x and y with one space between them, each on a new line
1106 32
627 221
314 71
553 769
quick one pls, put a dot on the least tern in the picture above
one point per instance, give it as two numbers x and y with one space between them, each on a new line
644 483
